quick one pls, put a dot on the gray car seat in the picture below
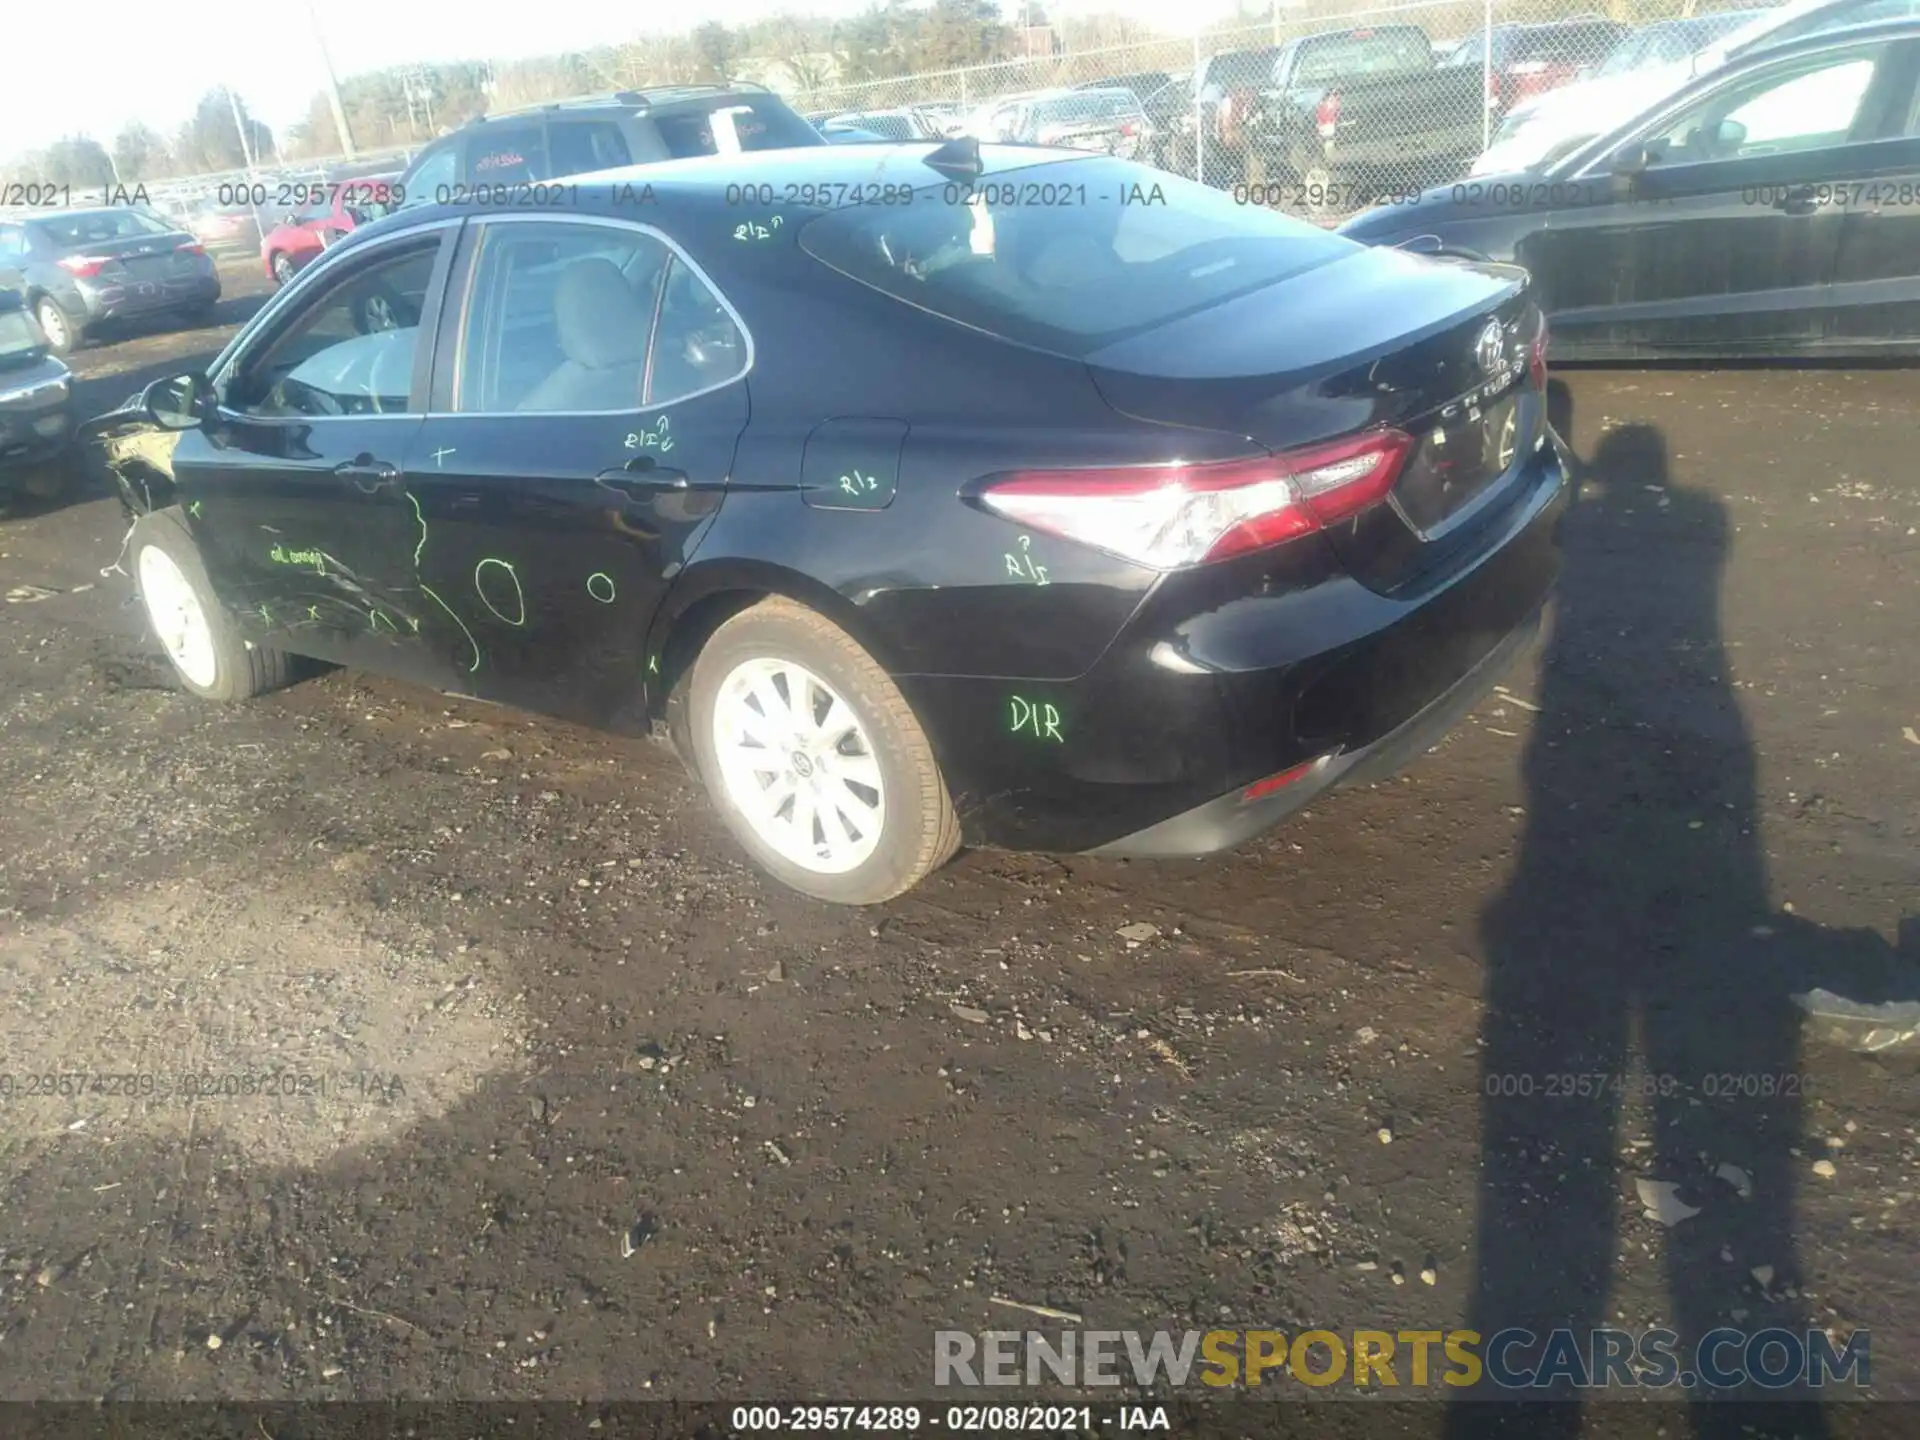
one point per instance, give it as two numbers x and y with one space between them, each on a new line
602 324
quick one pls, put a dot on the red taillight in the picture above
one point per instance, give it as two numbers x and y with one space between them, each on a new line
190 247
1537 357
1170 516
1326 115
84 265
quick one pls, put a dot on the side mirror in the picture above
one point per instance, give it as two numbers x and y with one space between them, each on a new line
177 402
1728 137
1630 162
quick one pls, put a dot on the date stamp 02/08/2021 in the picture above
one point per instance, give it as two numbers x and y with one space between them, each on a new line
195 1083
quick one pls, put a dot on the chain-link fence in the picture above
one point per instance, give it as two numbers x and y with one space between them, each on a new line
1321 117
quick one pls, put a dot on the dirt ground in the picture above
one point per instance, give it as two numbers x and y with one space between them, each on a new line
592 1110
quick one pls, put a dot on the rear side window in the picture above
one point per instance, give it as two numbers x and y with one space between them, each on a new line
1383 52
1072 276
740 124
579 147
574 317
434 173
506 154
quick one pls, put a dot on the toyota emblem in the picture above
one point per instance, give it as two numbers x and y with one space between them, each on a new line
1491 348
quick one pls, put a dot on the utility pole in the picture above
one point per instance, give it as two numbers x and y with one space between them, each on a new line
333 86
240 124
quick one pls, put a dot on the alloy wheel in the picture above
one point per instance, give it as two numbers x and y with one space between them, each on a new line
53 322
797 763
174 611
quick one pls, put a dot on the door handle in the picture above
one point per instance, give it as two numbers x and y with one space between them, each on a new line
641 477
367 473
1801 200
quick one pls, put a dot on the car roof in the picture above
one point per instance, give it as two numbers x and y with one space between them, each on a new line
658 97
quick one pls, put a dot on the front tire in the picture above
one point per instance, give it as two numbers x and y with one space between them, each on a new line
210 658
282 267
815 760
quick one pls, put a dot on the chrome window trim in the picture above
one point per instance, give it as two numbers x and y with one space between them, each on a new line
268 315
679 253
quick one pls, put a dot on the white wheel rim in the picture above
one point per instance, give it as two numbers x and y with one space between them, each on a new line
796 762
173 609
55 324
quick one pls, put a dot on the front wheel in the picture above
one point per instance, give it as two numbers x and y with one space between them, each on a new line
815 760
211 660
282 266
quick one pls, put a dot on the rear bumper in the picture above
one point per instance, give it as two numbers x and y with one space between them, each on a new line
1237 672
146 297
1231 820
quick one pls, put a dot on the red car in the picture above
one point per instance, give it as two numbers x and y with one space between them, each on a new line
296 240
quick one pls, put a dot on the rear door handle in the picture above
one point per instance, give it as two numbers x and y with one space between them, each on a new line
641 478
367 473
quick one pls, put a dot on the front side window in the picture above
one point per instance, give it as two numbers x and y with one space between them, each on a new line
349 351
568 317
1810 106
434 173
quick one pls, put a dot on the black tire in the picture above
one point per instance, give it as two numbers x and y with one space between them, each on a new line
64 333
919 831
241 670
282 267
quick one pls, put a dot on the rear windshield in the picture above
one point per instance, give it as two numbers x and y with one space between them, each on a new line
1564 42
91 227
740 124
1097 105
1383 52
1070 256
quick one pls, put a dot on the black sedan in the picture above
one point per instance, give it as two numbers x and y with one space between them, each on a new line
81 268
919 493
1770 208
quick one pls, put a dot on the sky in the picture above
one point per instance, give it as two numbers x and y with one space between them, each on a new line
160 61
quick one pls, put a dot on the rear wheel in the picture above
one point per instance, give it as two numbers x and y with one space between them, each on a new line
211 660
815 760
63 335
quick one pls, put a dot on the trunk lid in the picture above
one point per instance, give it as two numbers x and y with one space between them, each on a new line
1375 338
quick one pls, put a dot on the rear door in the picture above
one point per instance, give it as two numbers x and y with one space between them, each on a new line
1876 289
586 405
1730 238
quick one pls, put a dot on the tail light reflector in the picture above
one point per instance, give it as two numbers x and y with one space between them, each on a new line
84 265
1326 115
190 247
1171 516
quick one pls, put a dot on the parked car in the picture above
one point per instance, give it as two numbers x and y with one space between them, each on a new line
1141 82
1349 112
577 137
997 119
1771 208
1225 96
79 269
1530 60
295 242
848 135
1546 128
903 123
1108 121
36 404
223 227
1228 509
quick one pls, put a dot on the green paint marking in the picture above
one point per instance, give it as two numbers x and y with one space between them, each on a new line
266 614
1039 720
519 595
653 665
659 438
1021 566
431 595
414 500
415 623
373 622
313 612
280 555
600 587
193 509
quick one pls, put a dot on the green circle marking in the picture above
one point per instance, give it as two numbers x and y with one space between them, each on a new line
600 587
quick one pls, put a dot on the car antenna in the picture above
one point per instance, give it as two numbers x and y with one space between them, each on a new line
959 158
